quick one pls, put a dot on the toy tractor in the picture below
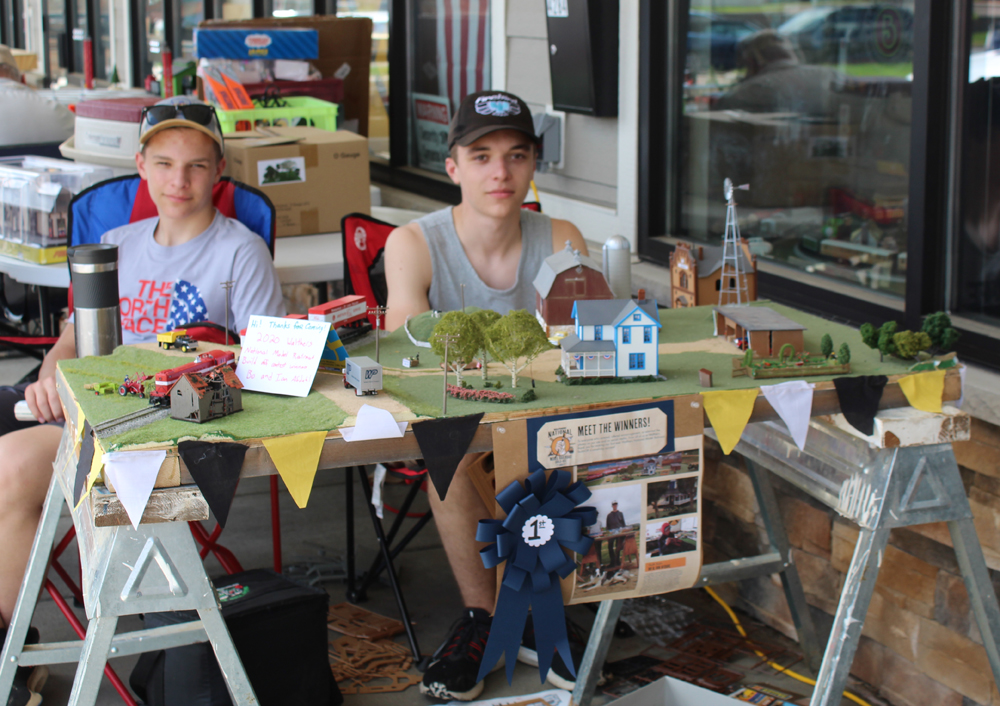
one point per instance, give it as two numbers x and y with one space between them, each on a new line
134 386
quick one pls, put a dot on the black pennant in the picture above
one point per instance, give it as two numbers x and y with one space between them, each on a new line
859 398
83 465
443 443
216 470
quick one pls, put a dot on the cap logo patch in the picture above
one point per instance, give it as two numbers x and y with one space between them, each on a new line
498 105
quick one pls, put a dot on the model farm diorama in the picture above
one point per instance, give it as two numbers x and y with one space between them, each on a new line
579 338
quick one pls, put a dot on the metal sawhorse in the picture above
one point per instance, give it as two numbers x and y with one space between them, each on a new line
891 484
125 571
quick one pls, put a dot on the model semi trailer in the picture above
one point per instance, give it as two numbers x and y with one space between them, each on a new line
363 374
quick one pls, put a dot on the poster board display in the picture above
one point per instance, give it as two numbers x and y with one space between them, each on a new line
643 464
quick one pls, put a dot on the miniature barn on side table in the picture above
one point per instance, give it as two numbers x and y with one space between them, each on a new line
563 279
613 338
764 330
696 274
200 397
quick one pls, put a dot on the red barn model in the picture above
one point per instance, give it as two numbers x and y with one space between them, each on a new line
564 278
340 311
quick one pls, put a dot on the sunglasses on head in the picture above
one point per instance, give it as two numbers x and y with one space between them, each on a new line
195 112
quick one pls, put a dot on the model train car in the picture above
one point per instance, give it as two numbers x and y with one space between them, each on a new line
340 312
165 379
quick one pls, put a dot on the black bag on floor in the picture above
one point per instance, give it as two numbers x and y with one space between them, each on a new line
279 629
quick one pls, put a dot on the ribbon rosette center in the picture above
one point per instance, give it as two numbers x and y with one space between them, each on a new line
544 526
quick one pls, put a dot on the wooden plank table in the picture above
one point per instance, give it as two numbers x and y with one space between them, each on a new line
118 559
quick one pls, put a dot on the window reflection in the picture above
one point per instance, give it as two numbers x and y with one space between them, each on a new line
812 108
977 276
378 96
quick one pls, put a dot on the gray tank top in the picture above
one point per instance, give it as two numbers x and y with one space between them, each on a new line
451 267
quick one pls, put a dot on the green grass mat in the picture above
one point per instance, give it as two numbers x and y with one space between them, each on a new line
262 415
422 394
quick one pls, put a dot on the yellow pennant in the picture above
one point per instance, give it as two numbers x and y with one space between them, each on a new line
296 457
96 464
924 390
729 411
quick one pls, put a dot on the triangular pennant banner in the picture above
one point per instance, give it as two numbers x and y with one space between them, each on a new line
133 474
83 464
793 403
729 411
96 464
443 443
216 470
296 457
924 390
859 398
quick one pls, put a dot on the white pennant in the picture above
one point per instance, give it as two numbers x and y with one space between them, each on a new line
793 403
133 474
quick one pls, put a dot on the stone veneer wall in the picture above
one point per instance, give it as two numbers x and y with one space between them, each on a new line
920 645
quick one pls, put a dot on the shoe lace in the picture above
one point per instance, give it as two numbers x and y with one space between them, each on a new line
468 638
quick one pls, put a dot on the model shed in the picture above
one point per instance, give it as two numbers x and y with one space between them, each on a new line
764 330
199 397
566 277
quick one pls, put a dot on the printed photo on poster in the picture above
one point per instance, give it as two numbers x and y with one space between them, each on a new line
612 564
641 468
674 536
670 498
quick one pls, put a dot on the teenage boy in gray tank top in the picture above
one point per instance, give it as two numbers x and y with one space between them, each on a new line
494 247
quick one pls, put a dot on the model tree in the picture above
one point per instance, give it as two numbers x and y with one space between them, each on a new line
938 327
844 354
462 349
886 345
826 345
515 340
483 319
869 336
909 343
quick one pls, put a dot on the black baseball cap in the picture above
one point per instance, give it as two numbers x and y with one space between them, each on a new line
487 111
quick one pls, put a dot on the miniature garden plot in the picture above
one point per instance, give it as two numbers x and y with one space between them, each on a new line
262 416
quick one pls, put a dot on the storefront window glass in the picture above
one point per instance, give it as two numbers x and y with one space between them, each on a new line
810 105
378 96
451 59
292 8
192 12
977 275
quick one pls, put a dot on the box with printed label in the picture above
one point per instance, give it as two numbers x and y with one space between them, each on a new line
257 43
313 177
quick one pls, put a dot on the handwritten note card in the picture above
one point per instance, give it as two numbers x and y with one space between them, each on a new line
280 356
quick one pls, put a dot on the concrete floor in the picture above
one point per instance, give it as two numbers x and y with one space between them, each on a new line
432 596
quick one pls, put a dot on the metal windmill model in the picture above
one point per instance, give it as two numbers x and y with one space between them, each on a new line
732 286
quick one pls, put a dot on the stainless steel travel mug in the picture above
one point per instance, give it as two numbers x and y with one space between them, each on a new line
93 270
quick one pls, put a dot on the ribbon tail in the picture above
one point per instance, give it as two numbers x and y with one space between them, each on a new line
505 633
549 616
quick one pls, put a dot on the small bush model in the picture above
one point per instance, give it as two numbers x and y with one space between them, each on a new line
844 354
938 327
826 345
909 343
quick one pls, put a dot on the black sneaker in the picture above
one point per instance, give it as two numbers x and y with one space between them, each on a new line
28 681
559 674
21 695
455 665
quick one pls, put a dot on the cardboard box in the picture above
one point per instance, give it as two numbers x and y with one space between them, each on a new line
345 52
313 177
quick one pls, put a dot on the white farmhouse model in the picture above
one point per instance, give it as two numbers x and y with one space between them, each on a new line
612 338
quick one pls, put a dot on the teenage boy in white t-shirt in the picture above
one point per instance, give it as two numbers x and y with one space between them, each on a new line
170 272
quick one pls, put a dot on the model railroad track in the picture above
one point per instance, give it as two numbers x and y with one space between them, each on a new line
130 421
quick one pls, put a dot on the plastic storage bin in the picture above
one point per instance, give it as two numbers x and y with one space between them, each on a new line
312 111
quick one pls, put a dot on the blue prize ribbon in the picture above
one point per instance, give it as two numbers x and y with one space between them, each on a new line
544 525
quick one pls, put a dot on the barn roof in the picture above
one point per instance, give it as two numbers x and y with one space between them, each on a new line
559 262
200 382
711 259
